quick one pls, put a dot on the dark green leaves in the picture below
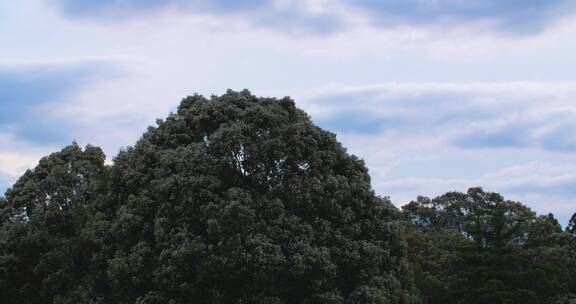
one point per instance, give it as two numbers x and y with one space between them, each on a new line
232 199
476 247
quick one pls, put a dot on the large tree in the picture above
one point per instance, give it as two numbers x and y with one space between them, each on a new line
232 199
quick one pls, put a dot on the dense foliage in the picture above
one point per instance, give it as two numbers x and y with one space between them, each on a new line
239 199
476 247
233 199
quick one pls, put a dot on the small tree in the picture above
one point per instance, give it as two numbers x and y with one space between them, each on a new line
43 252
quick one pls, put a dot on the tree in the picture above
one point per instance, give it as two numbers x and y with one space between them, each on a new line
543 231
476 247
244 199
232 199
571 228
42 251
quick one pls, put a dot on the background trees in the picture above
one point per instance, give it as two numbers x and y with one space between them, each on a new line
476 247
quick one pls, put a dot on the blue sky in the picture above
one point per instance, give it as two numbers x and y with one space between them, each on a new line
435 95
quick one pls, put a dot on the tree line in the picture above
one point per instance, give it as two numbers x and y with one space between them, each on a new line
242 199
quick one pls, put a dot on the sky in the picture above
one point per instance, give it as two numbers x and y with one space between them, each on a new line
434 95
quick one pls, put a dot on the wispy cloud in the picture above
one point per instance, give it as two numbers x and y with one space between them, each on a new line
309 16
507 16
16 156
328 16
537 115
26 92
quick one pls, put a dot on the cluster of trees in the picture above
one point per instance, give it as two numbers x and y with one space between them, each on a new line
240 199
476 247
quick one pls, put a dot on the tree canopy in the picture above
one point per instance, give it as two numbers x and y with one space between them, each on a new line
232 199
241 199
477 247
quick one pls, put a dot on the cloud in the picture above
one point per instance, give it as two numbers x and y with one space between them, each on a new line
508 16
5 182
461 115
561 136
309 16
509 136
123 7
16 156
328 16
357 122
26 92
13 164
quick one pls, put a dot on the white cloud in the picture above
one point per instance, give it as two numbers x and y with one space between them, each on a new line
17 156
15 163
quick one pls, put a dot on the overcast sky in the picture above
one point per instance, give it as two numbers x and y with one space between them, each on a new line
435 95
